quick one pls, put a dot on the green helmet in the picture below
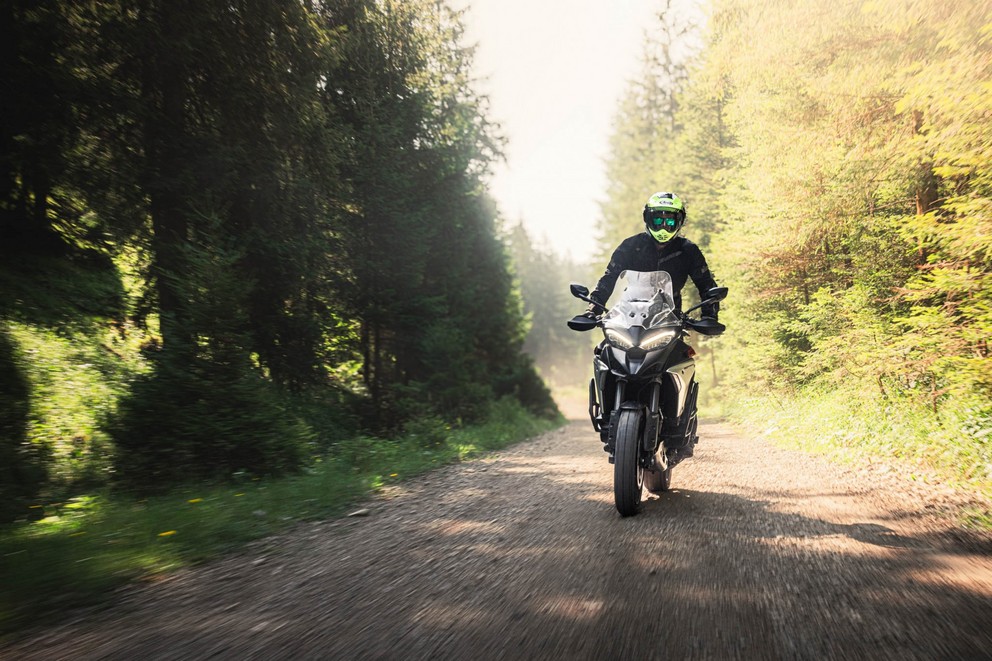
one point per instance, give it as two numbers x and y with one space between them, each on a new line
664 215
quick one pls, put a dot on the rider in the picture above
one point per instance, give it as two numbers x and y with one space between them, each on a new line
660 248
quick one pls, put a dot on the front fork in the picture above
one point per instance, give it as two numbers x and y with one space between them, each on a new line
652 454
604 413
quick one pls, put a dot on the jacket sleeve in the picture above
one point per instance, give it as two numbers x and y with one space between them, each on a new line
702 277
617 265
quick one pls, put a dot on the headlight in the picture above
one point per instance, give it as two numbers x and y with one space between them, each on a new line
658 339
618 339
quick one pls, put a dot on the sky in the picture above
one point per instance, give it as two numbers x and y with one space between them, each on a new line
554 71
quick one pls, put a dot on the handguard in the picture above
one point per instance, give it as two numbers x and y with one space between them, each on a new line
705 326
581 322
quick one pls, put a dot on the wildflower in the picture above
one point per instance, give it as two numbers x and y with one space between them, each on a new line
196 500
167 533
393 474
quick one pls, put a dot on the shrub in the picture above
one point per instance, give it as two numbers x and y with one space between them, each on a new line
201 420
21 468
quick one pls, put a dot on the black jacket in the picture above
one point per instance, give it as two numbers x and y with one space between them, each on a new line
680 257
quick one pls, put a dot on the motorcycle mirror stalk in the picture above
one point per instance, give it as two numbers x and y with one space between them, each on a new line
714 295
582 292
581 322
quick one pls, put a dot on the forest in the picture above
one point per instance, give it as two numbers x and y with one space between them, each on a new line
836 162
237 236
251 268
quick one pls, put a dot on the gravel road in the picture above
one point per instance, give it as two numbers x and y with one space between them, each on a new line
757 553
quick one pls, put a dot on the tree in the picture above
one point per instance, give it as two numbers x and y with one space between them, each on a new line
856 204
562 355
296 193
643 157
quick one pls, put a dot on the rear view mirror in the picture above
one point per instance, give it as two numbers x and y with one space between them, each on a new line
716 294
579 291
582 292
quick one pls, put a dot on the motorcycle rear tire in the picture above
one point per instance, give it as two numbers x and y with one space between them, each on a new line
628 475
658 481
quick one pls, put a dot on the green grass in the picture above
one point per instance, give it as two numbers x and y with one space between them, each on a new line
953 447
87 546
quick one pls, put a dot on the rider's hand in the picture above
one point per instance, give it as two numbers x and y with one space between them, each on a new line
589 314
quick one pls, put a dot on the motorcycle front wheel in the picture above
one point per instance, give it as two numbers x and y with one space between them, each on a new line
628 475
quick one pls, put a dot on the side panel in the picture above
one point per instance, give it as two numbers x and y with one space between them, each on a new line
681 375
600 370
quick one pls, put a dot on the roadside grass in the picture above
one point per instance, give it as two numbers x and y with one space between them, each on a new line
91 544
952 448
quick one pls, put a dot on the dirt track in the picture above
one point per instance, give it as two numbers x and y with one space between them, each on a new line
757 553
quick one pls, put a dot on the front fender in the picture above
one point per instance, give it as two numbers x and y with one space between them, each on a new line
652 422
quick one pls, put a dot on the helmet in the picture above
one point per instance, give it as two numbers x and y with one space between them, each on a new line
664 215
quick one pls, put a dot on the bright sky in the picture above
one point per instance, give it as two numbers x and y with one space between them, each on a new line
555 71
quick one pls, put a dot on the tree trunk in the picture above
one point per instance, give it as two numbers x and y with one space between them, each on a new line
926 191
165 97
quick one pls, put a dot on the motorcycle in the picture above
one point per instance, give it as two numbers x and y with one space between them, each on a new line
642 397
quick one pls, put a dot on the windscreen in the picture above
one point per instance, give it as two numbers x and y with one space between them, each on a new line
646 300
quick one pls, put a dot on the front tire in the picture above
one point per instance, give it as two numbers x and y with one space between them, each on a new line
628 475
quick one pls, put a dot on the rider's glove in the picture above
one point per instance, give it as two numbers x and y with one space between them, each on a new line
711 311
590 313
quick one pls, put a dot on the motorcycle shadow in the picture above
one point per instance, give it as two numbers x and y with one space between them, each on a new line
677 501
703 506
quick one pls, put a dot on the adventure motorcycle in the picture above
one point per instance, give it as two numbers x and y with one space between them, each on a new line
642 397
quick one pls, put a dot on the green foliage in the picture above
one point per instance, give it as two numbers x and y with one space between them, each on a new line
439 326
561 355
64 363
86 546
197 420
22 472
206 411
644 157
837 168
76 289
75 383
428 433
524 384
282 204
952 447
862 200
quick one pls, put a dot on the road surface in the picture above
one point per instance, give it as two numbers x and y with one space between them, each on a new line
757 553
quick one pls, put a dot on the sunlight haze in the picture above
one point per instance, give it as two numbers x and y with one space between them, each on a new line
554 71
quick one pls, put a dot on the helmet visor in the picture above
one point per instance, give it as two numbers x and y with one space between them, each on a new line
663 220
